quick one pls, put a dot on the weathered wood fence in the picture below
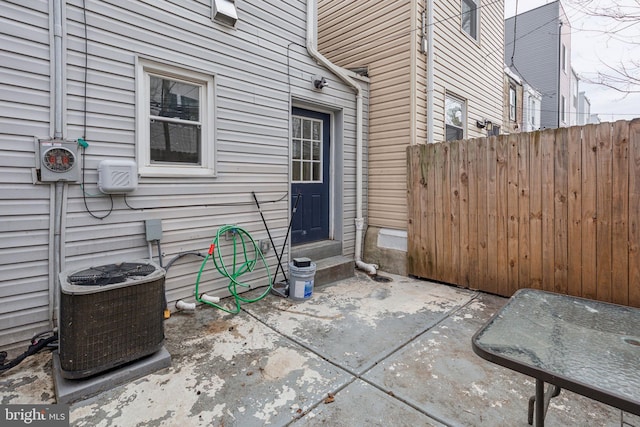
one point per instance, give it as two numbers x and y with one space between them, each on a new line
557 210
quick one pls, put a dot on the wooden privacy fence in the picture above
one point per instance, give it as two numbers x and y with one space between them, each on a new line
557 210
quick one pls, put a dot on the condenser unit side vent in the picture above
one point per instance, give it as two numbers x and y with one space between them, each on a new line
110 315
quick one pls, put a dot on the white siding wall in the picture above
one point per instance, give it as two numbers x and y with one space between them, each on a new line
253 88
472 70
24 208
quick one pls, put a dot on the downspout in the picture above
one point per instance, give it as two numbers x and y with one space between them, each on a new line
560 58
430 73
342 74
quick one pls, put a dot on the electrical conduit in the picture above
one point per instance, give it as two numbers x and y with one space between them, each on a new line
342 74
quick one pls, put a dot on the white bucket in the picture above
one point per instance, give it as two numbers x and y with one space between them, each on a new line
301 281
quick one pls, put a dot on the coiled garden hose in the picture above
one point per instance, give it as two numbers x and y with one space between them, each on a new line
241 263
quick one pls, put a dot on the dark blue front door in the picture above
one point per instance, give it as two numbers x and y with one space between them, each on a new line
310 146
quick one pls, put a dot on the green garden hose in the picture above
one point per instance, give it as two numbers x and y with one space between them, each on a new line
241 263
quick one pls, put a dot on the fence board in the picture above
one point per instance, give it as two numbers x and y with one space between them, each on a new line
547 141
464 222
535 211
560 215
492 216
454 219
589 161
524 240
634 208
513 235
483 213
556 209
502 201
620 214
574 212
603 208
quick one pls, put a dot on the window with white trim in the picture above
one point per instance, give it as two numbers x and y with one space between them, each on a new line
512 103
454 117
470 17
175 128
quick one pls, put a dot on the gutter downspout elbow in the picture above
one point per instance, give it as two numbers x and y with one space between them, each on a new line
311 44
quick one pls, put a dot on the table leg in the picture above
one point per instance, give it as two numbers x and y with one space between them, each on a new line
541 401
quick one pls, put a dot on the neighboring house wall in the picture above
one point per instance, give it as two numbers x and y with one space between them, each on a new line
513 103
259 70
584 108
355 35
531 105
542 56
469 69
387 39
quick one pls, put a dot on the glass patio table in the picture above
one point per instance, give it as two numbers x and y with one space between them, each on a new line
589 347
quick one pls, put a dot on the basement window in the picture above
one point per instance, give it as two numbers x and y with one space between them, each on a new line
224 12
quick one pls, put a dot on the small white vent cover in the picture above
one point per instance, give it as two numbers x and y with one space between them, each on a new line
117 176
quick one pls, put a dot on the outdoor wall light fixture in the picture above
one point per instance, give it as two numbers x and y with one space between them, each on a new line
485 124
319 83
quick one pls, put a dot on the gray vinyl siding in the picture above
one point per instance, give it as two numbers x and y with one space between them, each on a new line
24 208
258 68
537 55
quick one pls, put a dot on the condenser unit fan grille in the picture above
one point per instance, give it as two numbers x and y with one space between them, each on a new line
110 273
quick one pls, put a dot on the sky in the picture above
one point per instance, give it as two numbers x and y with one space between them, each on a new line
592 49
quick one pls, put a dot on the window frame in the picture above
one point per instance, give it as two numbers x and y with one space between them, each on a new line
513 102
145 68
563 109
475 12
463 120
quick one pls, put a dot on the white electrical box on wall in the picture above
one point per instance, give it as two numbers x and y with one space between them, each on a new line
58 160
117 176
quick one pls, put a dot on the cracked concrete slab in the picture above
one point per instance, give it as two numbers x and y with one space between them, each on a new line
361 404
227 370
394 353
357 322
440 374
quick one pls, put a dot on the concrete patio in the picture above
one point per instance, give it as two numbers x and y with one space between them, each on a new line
358 353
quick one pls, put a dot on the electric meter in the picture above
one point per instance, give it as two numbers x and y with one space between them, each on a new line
58 160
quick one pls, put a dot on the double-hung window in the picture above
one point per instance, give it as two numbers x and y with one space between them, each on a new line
175 134
454 117
512 103
470 17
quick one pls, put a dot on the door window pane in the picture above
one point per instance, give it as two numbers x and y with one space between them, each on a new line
297 149
306 145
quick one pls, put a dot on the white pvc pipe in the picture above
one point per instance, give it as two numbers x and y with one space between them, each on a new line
340 72
208 298
181 305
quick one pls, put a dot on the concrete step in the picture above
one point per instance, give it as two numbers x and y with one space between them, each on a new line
334 268
317 250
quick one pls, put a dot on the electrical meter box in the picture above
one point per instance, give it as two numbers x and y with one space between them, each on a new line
117 176
58 160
